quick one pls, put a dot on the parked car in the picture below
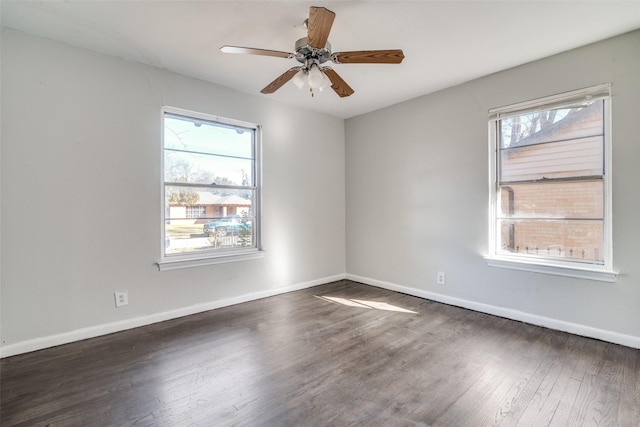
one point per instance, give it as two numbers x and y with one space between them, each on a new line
227 225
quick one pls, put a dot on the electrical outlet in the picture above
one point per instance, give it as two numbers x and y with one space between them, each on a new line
121 298
440 278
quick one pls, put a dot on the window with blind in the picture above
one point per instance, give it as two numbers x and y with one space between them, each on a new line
551 198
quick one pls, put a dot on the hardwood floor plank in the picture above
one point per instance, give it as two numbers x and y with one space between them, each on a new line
340 354
557 390
528 392
598 399
629 410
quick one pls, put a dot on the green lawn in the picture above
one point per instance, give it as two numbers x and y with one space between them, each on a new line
180 231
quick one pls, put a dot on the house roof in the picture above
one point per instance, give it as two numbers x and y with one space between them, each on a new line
571 119
208 198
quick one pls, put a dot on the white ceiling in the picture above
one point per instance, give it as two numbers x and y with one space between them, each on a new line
445 42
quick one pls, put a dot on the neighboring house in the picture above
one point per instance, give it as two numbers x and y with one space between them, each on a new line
535 169
208 206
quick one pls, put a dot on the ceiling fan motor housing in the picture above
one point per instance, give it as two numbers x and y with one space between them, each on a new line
309 55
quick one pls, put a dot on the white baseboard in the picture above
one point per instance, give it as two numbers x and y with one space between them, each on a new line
556 324
122 325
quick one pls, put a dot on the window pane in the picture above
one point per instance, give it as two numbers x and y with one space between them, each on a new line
564 159
579 240
550 144
555 199
551 125
227 221
207 169
190 134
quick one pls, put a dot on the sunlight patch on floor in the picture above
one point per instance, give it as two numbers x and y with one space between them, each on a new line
365 304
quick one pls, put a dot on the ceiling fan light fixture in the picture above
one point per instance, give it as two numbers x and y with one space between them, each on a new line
326 84
316 77
299 79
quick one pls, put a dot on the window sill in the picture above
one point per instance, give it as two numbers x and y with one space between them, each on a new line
580 272
174 264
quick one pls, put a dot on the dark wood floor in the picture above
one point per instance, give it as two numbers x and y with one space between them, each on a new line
342 354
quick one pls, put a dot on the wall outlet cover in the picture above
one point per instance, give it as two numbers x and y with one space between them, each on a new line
121 298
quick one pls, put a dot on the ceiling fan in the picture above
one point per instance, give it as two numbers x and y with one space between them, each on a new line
313 51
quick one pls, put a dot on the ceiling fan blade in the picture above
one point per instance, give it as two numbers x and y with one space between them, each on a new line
394 56
281 80
254 51
319 26
337 84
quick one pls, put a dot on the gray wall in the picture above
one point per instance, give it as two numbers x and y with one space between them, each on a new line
417 196
81 195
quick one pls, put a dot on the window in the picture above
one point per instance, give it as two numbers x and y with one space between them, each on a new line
211 204
196 211
550 189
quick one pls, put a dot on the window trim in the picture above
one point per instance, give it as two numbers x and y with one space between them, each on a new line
600 272
184 262
197 259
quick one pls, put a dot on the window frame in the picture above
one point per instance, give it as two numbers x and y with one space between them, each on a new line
579 269
195 259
